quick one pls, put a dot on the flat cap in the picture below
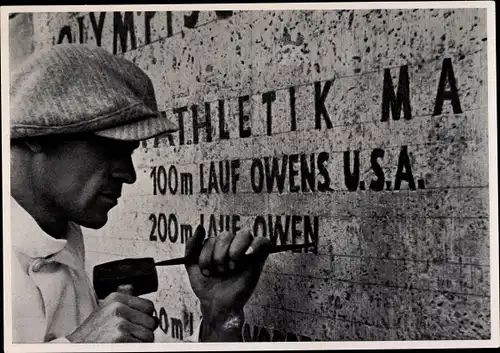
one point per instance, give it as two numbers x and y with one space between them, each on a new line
75 88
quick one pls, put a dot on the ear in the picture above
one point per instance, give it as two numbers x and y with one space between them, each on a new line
33 145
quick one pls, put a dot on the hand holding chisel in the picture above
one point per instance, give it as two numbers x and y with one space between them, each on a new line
141 273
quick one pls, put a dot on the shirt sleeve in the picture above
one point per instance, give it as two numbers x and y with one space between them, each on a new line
60 340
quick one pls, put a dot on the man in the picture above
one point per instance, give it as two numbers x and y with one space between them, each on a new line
77 114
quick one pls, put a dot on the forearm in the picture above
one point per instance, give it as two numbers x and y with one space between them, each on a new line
221 327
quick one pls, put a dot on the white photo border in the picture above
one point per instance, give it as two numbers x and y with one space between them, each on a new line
155 347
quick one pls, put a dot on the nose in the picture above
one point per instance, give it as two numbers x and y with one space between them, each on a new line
125 171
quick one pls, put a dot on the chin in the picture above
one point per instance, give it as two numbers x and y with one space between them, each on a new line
96 223
93 226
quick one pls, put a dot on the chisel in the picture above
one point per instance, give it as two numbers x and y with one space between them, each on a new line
141 272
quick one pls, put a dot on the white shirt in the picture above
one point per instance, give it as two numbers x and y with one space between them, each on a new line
52 293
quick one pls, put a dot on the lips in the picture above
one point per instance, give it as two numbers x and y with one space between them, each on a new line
110 198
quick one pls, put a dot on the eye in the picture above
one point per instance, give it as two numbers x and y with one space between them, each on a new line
114 151
116 148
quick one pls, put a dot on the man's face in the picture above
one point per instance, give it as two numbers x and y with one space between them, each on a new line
81 177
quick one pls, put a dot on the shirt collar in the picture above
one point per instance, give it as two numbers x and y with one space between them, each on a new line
27 236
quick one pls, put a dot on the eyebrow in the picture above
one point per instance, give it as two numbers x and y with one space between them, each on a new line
133 148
